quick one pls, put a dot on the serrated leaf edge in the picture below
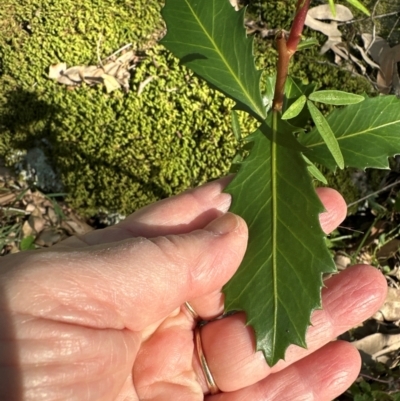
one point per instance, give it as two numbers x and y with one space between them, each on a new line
252 104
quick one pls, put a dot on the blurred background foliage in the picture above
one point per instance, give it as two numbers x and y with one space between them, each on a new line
118 152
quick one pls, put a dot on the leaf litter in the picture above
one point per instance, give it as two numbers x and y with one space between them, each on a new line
112 72
375 53
30 219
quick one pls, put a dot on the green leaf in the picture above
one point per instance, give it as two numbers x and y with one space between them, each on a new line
295 109
210 39
333 7
236 126
279 281
307 43
337 98
27 243
268 96
314 171
326 133
368 133
285 138
294 89
357 4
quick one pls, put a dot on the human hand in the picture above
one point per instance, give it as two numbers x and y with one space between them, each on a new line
101 317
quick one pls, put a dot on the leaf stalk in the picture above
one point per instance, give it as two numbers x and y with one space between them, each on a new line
282 71
297 26
286 49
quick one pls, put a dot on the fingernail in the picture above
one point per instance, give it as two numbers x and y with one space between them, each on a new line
224 224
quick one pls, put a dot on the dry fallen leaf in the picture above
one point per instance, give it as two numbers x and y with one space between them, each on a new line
390 310
74 226
56 70
365 57
342 261
27 229
375 46
7 198
356 61
389 249
376 347
48 237
52 216
323 12
113 72
387 58
110 83
330 44
376 342
328 29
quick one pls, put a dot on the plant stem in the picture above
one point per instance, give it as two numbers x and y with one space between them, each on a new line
282 71
297 26
286 49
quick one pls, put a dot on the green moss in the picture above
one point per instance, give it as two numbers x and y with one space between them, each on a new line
121 151
118 151
144 147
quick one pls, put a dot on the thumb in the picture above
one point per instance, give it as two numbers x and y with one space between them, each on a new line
131 283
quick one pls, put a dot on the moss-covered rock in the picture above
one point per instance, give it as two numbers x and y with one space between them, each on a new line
120 151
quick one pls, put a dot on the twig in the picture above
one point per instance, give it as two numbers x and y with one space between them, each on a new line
13 209
118 51
144 84
374 10
364 19
375 379
374 28
393 28
351 229
374 193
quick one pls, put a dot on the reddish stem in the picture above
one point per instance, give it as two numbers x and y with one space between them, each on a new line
297 26
286 49
282 71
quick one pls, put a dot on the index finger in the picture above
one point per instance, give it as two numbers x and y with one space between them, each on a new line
180 214
193 210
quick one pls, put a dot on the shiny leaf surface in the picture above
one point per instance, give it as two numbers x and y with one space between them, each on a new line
368 133
326 134
336 98
211 40
279 281
295 108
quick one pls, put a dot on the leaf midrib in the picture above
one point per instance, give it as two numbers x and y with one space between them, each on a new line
368 130
274 222
236 78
